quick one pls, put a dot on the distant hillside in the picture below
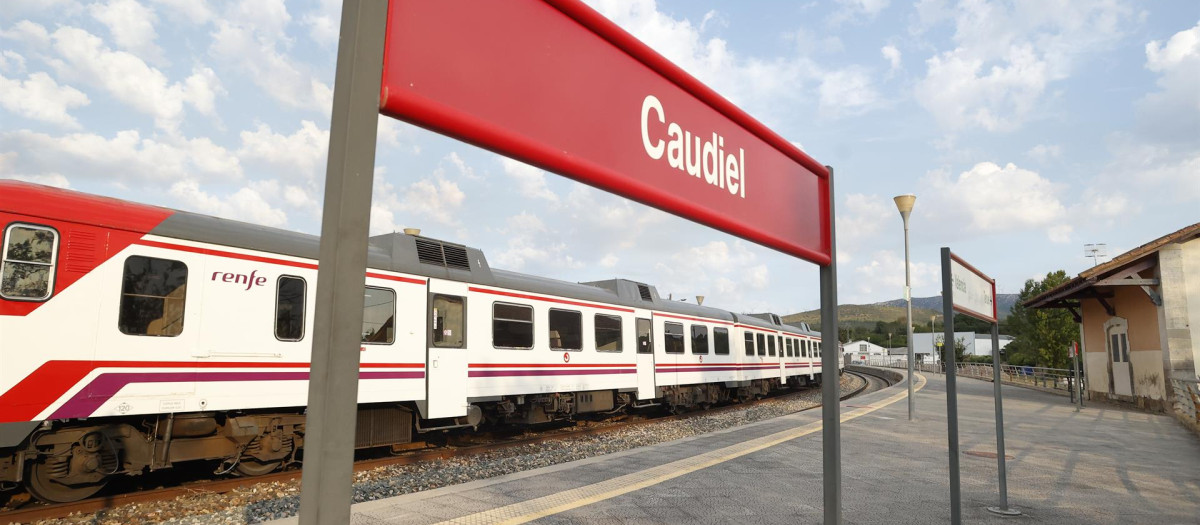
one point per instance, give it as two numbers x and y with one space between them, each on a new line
1004 303
862 315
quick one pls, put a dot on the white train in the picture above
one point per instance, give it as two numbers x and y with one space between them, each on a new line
134 337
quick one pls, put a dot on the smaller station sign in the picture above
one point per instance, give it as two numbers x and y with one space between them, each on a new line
974 292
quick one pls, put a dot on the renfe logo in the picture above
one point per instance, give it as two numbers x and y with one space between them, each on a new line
727 172
239 278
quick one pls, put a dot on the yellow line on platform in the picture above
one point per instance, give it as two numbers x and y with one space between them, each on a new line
552 504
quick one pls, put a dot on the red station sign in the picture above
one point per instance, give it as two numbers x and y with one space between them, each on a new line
554 84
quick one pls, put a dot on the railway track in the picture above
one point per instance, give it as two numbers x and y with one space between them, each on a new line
466 445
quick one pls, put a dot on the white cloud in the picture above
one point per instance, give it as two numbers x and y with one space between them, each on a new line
529 247
132 27
126 157
848 91
27 32
1044 152
531 181
11 61
49 179
298 157
881 277
253 37
41 98
857 9
323 22
1007 54
130 80
989 198
246 204
892 55
1172 114
435 199
190 11
609 261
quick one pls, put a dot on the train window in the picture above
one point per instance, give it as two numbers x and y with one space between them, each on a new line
673 338
779 343
643 335
721 341
808 345
762 344
512 325
566 330
770 345
30 253
795 347
699 339
379 316
449 321
289 308
152 297
608 333
787 347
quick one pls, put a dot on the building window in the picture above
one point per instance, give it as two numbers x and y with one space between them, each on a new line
379 316
566 330
29 256
289 308
673 338
608 333
721 341
153 292
762 344
749 343
512 325
699 339
644 327
449 321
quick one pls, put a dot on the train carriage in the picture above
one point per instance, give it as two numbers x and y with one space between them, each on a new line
135 337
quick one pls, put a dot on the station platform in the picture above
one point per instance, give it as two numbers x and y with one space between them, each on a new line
1100 465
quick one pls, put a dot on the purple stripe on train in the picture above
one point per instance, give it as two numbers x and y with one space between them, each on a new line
515 373
85 402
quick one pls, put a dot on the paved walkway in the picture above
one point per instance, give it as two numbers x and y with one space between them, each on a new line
1101 465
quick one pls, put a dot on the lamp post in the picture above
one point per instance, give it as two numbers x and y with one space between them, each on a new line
904 203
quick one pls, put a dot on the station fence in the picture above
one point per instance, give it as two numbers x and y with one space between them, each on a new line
1036 376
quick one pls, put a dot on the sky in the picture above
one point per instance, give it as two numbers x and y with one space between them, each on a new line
1025 128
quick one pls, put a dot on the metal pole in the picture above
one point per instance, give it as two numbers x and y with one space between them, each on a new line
1079 386
908 296
326 479
951 388
1000 459
831 432
1082 361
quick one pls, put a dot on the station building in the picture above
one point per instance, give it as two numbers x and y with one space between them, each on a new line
1139 318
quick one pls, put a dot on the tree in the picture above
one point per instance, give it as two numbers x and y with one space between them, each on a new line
1041 335
960 348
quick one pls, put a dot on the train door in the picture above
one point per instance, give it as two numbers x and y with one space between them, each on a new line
446 380
645 359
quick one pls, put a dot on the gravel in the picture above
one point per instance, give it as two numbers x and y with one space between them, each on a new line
267 501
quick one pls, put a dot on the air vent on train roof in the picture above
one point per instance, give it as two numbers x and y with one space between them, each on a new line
439 254
645 292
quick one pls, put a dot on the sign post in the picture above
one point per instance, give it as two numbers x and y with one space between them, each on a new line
554 84
1075 372
969 291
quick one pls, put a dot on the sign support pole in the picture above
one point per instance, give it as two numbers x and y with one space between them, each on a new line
831 432
327 476
1079 386
1001 468
951 387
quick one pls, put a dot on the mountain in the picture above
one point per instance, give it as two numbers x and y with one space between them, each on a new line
1004 303
863 315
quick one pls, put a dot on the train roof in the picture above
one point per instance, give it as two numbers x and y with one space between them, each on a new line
396 252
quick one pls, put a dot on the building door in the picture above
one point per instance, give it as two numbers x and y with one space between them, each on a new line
447 364
1121 371
645 360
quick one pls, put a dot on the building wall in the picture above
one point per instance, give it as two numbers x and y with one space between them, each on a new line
1145 345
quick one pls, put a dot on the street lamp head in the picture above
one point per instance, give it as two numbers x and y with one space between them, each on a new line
904 203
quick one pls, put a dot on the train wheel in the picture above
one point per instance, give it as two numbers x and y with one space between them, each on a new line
45 488
252 467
